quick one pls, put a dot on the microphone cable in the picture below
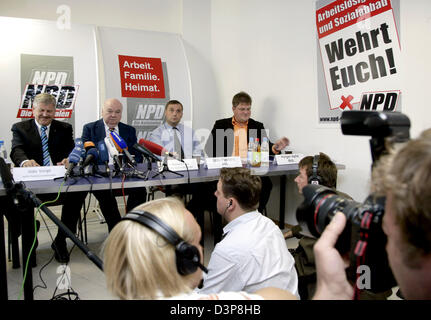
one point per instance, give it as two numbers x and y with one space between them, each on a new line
35 239
188 173
84 220
110 183
44 286
122 190
70 290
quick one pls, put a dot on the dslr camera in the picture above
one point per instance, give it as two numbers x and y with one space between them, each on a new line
363 238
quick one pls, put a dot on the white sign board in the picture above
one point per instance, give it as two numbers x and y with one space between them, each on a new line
188 164
38 173
293 158
223 162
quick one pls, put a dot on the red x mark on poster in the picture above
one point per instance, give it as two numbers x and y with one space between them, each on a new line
346 102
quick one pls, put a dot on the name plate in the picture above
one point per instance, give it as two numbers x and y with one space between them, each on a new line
292 158
176 165
38 173
223 162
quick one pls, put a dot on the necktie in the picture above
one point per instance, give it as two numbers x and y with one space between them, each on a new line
177 143
111 160
45 151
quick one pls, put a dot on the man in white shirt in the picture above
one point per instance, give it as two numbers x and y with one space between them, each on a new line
181 140
174 136
253 253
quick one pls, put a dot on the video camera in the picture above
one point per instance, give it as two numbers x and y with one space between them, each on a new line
363 232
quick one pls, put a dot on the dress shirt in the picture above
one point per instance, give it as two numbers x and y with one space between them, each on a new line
39 129
108 134
163 135
253 255
240 145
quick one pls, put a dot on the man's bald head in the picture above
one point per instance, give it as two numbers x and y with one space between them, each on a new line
112 111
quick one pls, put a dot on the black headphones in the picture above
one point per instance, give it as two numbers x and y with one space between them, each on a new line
229 204
187 255
315 178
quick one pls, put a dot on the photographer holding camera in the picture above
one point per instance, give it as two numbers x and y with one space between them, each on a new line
319 170
404 178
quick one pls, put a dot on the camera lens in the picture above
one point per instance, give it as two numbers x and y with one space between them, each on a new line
319 206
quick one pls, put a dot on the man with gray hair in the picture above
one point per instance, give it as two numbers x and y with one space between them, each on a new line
44 141
97 131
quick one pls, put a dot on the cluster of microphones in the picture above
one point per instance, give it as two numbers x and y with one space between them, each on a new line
85 156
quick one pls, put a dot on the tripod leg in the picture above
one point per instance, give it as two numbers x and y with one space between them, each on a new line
3 277
27 238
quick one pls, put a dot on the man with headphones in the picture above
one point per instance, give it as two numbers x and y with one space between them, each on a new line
252 253
154 253
318 169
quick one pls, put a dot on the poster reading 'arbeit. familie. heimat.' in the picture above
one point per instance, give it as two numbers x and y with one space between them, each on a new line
359 67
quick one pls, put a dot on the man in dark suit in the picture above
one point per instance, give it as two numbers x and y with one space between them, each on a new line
43 141
230 136
97 131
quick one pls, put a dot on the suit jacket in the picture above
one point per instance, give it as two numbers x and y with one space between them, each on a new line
223 129
27 144
95 132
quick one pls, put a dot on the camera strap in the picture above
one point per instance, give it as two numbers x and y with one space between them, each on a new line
361 245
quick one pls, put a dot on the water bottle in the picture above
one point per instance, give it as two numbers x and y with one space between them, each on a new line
250 151
264 152
3 152
256 154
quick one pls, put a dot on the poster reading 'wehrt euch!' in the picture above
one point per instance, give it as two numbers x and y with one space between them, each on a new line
359 63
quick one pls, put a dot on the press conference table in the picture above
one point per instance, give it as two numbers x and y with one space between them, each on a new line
194 176
102 183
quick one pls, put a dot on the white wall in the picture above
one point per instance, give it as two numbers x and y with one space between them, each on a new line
154 15
267 48
416 51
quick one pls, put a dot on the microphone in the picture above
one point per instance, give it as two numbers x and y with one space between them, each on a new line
103 154
121 146
156 148
80 143
92 154
75 156
202 267
113 152
147 153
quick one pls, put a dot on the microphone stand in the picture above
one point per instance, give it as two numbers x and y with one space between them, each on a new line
31 199
166 169
149 166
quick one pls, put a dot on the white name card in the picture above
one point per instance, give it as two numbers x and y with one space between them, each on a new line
223 162
292 158
38 173
176 165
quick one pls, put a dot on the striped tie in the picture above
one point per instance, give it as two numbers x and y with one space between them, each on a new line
177 144
46 156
